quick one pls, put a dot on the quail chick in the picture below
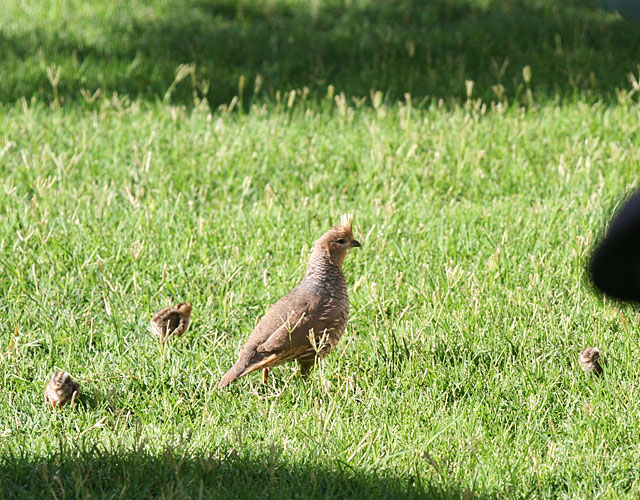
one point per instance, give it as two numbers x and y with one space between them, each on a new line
591 361
61 389
171 321
306 324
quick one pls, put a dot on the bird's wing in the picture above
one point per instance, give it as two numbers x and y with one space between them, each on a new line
161 314
291 323
282 333
168 318
174 318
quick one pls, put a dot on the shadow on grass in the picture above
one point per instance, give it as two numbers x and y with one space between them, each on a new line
425 48
133 475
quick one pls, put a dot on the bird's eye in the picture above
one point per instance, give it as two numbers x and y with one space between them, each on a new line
342 241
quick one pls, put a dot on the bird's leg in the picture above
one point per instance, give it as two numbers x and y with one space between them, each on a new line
53 403
73 397
265 374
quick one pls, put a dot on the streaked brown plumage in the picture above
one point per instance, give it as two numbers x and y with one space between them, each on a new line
591 361
61 389
306 324
171 321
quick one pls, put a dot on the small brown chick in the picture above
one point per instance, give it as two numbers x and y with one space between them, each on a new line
306 324
590 361
61 389
171 321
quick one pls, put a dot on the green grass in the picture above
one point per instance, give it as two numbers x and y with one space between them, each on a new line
255 48
457 376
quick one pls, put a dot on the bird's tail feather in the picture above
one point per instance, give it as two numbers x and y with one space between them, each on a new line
240 369
229 377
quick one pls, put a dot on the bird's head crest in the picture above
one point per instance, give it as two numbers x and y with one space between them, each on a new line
346 224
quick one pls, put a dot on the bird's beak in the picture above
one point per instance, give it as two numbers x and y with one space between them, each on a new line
355 243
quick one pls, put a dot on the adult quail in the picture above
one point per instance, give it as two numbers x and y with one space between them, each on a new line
306 324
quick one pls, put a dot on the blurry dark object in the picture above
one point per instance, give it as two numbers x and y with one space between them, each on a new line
615 264
626 8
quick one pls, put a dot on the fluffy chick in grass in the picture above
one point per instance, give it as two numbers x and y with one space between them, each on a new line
61 389
591 361
171 321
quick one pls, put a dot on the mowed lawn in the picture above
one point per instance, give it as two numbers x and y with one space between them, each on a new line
457 376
